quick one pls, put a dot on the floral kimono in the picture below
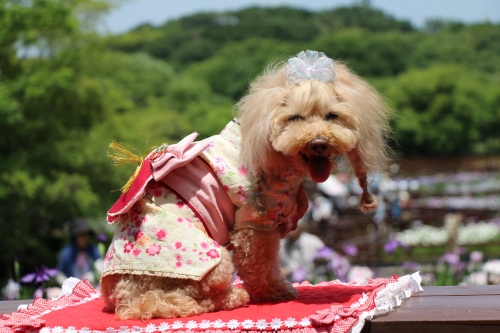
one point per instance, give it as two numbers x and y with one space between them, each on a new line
185 200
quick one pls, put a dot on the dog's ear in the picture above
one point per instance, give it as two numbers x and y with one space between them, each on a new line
367 201
371 151
373 114
255 114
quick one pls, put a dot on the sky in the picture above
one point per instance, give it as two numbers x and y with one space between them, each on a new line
135 12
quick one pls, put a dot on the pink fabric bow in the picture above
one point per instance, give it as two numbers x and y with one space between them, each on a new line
178 155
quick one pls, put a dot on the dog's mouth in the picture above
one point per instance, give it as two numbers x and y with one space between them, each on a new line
319 166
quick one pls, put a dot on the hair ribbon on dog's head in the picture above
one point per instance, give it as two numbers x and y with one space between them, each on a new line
310 65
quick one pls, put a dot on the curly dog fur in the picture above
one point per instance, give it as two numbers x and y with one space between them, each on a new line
282 123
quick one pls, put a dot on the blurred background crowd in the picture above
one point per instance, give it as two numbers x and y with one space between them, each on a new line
67 90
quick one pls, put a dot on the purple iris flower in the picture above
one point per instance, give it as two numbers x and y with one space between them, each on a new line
102 237
451 259
299 275
393 244
350 250
323 254
340 266
40 275
410 266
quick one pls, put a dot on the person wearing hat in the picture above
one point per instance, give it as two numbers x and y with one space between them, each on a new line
76 259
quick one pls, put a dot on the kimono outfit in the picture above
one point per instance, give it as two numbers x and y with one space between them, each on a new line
185 200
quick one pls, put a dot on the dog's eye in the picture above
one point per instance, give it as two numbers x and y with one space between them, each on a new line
331 116
295 118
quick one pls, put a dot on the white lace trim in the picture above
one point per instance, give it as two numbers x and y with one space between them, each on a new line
178 326
390 297
66 290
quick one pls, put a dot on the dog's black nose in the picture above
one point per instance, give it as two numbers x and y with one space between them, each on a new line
318 145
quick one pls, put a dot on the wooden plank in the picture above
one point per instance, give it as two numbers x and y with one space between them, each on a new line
432 327
444 309
11 306
459 291
448 308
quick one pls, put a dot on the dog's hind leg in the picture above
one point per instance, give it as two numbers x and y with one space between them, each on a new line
216 289
256 259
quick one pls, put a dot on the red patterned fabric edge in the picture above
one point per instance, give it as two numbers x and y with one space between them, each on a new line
388 293
27 319
340 318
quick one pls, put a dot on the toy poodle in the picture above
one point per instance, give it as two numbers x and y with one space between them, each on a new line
189 204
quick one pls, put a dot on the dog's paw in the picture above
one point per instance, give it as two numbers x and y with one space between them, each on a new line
278 292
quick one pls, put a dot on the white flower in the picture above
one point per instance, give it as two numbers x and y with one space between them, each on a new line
123 329
177 324
205 324
72 329
136 329
87 330
261 324
218 323
360 274
276 323
58 329
110 330
247 324
163 327
150 328
232 324
492 267
45 330
191 324
11 290
476 279
290 322
305 322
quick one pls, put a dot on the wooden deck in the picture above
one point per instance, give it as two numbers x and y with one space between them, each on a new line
437 309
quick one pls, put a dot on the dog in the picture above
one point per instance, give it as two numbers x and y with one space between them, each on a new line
192 202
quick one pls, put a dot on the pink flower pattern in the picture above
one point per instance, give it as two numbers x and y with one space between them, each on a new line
242 170
128 247
214 254
153 250
161 234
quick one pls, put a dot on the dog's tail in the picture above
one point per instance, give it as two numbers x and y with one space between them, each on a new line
143 297
157 304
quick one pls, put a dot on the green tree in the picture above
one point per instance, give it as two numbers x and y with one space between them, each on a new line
444 110
49 101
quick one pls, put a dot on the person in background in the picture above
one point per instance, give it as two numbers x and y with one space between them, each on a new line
452 222
297 253
77 258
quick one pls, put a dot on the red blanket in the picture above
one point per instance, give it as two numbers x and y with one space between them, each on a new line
326 307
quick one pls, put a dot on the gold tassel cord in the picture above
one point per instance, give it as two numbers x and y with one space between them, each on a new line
122 156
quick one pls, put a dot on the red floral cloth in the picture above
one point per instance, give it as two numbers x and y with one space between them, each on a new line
331 307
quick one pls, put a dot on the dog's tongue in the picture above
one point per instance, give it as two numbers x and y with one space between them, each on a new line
319 168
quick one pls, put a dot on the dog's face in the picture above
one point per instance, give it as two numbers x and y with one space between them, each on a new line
312 126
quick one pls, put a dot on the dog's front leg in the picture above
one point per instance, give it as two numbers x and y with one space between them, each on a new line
255 255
